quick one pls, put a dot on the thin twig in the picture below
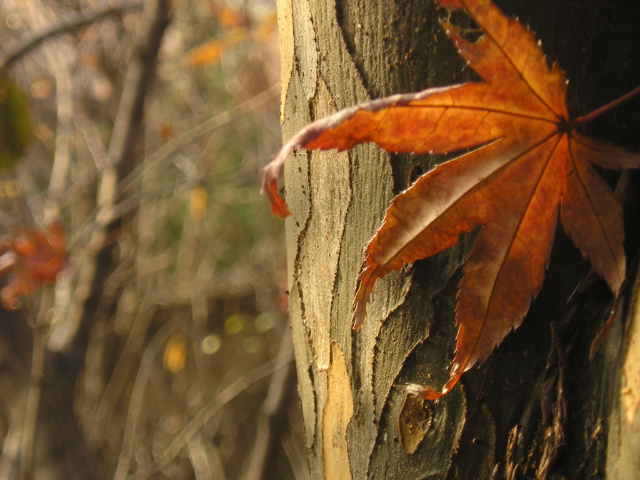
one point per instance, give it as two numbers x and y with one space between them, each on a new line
605 108
64 113
204 128
206 459
33 404
60 61
68 23
296 455
121 157
204 415
126 361
132 201
137 399
272 416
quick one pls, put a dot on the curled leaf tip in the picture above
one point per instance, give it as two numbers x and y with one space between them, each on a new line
420 391
273 171
428 393
270 189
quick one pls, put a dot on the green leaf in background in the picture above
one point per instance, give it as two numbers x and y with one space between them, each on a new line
15 123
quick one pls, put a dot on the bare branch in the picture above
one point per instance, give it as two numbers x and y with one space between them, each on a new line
120 157
137 399
272 417
208 412
67 23
32 404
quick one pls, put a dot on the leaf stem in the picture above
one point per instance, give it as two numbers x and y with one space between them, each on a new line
603 109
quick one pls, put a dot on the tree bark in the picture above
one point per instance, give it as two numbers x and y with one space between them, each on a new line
539 408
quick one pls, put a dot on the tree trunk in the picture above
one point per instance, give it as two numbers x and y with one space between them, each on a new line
539 407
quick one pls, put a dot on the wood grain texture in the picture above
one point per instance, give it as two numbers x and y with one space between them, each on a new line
337 201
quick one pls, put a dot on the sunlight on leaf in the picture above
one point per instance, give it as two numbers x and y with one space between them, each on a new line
530 168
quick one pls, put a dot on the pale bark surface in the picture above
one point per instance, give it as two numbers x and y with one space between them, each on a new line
538 407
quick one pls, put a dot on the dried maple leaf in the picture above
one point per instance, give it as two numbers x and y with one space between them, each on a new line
529 164
31 258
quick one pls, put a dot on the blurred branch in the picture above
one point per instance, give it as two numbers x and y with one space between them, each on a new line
272 417
70 334
204 128
58 59
137 398
65 24
120 157
214 123
296 455
129 202
122 369
204 415
64 113
205 459
32 404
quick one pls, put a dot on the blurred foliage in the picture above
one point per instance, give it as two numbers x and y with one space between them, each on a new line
15 123
195 303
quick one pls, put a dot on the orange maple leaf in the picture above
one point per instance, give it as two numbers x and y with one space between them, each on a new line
31 258
529 165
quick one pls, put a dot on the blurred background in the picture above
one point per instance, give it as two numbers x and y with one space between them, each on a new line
151 339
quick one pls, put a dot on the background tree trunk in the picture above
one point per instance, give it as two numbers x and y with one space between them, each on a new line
538 407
